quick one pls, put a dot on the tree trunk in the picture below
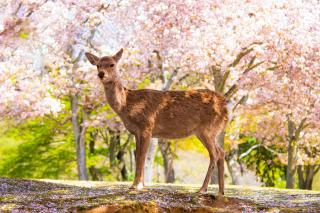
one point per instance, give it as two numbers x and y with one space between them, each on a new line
95 173
114 145
291 167
305 175
293 137
79 138
148 168
234 167
168 156
92 141
131 154
117 156
122 165
309 179
301 177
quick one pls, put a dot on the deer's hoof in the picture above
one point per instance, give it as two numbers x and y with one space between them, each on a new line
202 191
132 187
138 186
221 197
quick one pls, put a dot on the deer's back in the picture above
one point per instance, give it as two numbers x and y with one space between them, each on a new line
172 114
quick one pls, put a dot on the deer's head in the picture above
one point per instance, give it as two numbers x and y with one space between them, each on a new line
106 65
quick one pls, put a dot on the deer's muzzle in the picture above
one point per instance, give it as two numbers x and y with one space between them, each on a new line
101 74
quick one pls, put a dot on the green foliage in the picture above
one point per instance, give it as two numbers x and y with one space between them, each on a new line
143 84
44 148
316 182
158 159
35 150
191 143
264 162
24 35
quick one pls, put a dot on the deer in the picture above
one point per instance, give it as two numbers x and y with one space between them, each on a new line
148 113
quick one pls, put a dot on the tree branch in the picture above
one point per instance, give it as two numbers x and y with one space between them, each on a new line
249 150
169 82
251 67
241 101
231 91
300 128
224 80
240 56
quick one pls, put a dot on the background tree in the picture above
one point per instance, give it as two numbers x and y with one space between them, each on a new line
56 60
289 94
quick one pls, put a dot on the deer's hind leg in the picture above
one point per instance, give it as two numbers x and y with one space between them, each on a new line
208 139
221 171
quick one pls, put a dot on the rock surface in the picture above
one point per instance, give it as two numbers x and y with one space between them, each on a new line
17 195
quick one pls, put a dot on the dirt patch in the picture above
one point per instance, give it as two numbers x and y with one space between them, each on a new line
206 205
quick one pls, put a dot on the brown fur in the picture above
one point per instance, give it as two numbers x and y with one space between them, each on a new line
165 114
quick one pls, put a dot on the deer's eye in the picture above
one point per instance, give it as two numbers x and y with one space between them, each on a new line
111 65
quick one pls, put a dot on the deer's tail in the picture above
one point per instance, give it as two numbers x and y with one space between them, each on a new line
223 107
225 113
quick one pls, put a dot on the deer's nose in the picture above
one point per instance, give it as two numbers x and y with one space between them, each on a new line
101 74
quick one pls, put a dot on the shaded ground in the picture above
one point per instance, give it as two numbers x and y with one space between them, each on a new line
76 196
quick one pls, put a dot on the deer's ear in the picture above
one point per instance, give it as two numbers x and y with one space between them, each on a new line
92 58
118 55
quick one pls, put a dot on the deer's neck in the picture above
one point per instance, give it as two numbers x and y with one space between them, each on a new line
116 95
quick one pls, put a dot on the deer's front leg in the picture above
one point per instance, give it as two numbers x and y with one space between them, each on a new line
137 154
142 145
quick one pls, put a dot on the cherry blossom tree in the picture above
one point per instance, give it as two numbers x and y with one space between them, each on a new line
287 112
288 98
43 43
